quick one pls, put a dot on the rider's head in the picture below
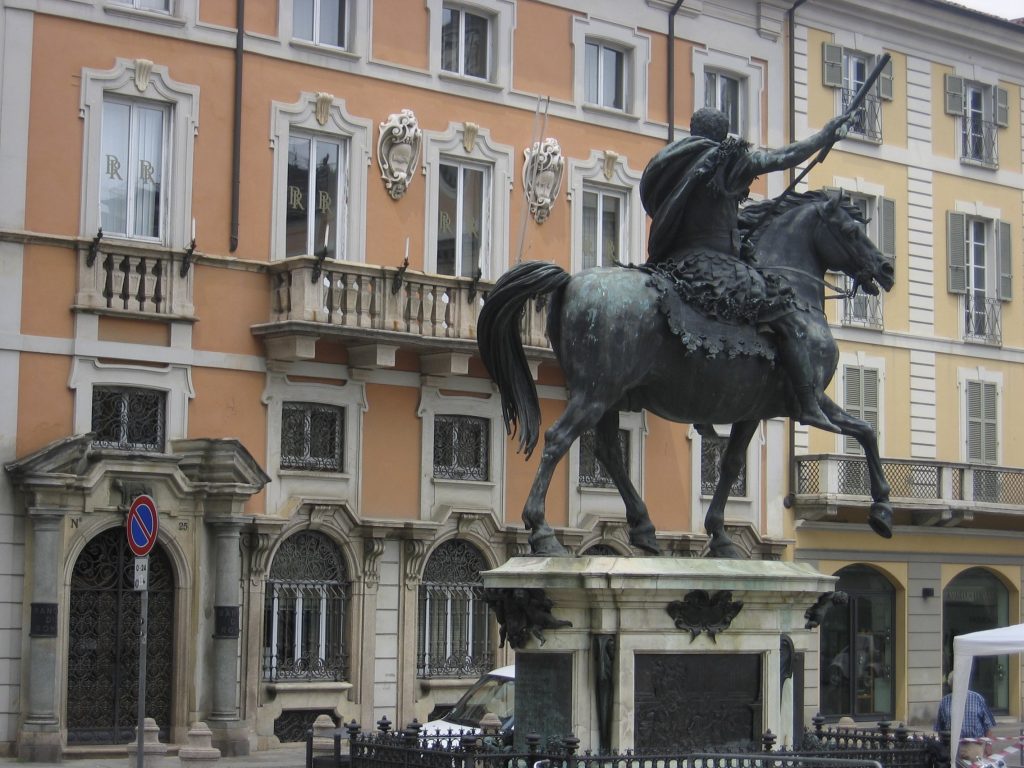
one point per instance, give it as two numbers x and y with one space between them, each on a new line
710 123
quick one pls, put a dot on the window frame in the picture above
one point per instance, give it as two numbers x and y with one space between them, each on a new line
636 50
980 376
322 115
339 223
749 75
610 172
457 471
736 129
307 461
159 445
602 192
141 80
963 272
314 39
486 206
838 62
994 115
470 144
461 50
588 503
598 96
501 23
738 509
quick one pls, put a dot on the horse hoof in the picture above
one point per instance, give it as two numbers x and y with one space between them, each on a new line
880 519
545 544
644 538
723 547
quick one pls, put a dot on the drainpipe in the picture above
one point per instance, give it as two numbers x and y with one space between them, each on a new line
791 24
236 135
672 70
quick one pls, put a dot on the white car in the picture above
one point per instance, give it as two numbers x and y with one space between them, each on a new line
494 692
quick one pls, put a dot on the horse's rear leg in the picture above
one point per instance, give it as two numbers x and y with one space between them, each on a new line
733 459
609 452
577 419
880 517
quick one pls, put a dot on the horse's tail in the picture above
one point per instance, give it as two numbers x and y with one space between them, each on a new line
501 344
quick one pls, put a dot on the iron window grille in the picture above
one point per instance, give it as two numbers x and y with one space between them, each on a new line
128 418
983 318
867 119
306 611
592 472
979 140
461 447
312 437
863 310
454 637
711 450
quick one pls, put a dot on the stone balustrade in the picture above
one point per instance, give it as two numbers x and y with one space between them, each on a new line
135 279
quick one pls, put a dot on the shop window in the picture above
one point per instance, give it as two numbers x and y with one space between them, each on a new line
973 601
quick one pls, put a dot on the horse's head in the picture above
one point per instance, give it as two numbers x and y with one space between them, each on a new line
843 245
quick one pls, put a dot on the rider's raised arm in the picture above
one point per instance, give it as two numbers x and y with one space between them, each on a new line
795 153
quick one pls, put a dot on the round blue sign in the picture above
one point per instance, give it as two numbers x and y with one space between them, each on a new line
142 525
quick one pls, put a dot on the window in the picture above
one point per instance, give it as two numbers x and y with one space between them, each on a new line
454 637
128 418
980 270
973 601
461 447
139 140
312 437
982 406
131 202
711 451
163 6
860 399
305 611
319 21
856 658
320 206
313 215
847 70
464 43
605 75
722 92
602 226
981 111
592 473
463 207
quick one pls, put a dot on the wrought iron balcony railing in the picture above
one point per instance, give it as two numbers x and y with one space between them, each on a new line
979 141
982 319
915 484
383 304
135 278
867 120
863 310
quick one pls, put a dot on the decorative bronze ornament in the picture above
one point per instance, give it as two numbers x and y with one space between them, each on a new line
816 613
700 612
522 614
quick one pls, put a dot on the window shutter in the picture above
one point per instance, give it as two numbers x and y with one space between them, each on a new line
990 429
887 226
852 404
885 82
957 252
982 422
832 65
974 420
1005 246
1002 101
954 95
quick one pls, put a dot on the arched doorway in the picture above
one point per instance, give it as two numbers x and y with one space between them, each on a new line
856 657
975 600
103 647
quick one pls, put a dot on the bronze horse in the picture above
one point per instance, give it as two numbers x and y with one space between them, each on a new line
618 353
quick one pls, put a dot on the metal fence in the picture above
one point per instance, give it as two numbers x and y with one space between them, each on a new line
881 747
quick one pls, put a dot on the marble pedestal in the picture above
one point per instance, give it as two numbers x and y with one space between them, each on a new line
652 655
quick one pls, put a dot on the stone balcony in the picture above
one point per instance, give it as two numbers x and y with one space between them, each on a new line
376 311
934 492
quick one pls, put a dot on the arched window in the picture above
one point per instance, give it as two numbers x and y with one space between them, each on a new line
973 601
856 659
454 637
305 611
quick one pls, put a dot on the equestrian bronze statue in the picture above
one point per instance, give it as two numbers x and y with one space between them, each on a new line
725 324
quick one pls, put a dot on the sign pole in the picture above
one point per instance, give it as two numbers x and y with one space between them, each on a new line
143 632
141 526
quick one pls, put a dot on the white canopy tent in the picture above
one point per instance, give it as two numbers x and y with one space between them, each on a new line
990 642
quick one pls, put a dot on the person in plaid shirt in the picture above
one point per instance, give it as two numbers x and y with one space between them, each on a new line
978 723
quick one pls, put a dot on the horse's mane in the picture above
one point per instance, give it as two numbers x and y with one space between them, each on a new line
755 218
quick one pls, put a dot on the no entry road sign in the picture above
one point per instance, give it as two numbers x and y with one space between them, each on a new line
142 525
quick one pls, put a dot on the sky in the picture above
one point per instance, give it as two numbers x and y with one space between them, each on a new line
1008 9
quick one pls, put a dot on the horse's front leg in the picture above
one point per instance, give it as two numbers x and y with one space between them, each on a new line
609 453
733 460
880 517
577 419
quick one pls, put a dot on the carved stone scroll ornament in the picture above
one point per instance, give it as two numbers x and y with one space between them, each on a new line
542 177
700 612
398 151
816 613
522 614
